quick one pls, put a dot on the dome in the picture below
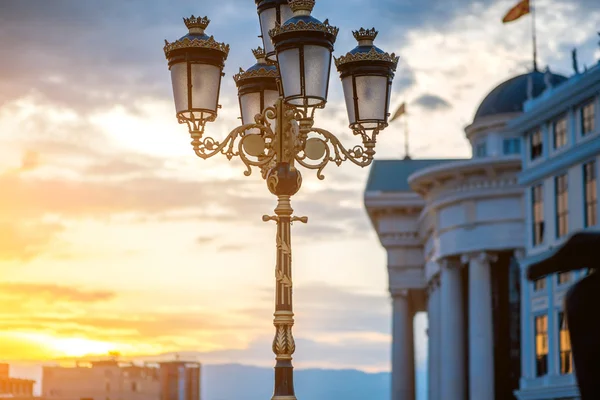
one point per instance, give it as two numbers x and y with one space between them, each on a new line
508 97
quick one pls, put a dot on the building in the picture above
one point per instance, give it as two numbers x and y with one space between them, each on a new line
101 380
13 387
112 380
180 380
560 131
459 235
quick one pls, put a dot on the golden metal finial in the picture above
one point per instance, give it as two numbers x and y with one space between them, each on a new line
196 23
259 53
365 34
301 5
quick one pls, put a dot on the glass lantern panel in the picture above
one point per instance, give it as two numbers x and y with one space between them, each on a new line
180 87
206 80
317 60
389 95
267 22
286 13
271 97
250 104
289 65
349 97
372 97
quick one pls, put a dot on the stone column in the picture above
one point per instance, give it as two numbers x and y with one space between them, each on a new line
452 366
403 360
434 338
481 328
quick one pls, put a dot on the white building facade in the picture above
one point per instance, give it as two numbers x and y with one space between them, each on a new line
459 235
561 138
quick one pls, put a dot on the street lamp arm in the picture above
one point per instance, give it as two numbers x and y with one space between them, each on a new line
329 148
242 141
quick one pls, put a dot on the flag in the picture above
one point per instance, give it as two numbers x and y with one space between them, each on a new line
399 112
522 8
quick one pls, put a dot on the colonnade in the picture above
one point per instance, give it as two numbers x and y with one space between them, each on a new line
447 369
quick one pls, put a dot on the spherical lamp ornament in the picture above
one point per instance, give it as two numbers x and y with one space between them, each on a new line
284 179
367 73
271 13
196 63
303 46
257 87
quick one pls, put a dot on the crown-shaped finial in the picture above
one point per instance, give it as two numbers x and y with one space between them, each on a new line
259 53
301 5
365 34
196 23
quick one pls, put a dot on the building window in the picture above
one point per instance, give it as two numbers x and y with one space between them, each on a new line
541 345
562 206
481 150
564 277
537 194
588 115
537 145
566 357
539 284
511 146
560 132
590 193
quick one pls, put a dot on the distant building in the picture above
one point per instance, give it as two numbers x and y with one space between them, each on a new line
13 387
112 380
102 380
460 234
180 380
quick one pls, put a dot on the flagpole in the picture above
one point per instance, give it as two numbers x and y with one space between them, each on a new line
535 68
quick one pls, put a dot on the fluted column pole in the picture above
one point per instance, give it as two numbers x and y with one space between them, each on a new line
481 328
452 323
434 339
403 361
283 180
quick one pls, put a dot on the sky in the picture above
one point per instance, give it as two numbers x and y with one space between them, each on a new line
115 236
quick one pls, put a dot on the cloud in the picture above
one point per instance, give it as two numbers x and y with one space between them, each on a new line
432 102
204 240
231 248
327 309
24 241
52 293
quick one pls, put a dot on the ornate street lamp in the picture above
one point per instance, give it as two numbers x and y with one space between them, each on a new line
277 131
303 46
257 87
196 62
367 73
270 14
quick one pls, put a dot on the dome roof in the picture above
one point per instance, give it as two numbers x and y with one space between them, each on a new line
508 97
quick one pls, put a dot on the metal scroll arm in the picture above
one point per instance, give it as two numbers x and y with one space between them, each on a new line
243 141
333 150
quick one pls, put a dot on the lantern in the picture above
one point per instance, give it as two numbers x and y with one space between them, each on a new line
367 73
257 87
303 46
271 13
196 63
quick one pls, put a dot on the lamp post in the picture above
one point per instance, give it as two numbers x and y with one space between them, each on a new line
278 98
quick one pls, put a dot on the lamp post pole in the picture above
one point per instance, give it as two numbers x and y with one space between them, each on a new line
278 98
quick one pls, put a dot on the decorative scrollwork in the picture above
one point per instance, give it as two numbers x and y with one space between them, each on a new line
334 151
294 140
208 147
